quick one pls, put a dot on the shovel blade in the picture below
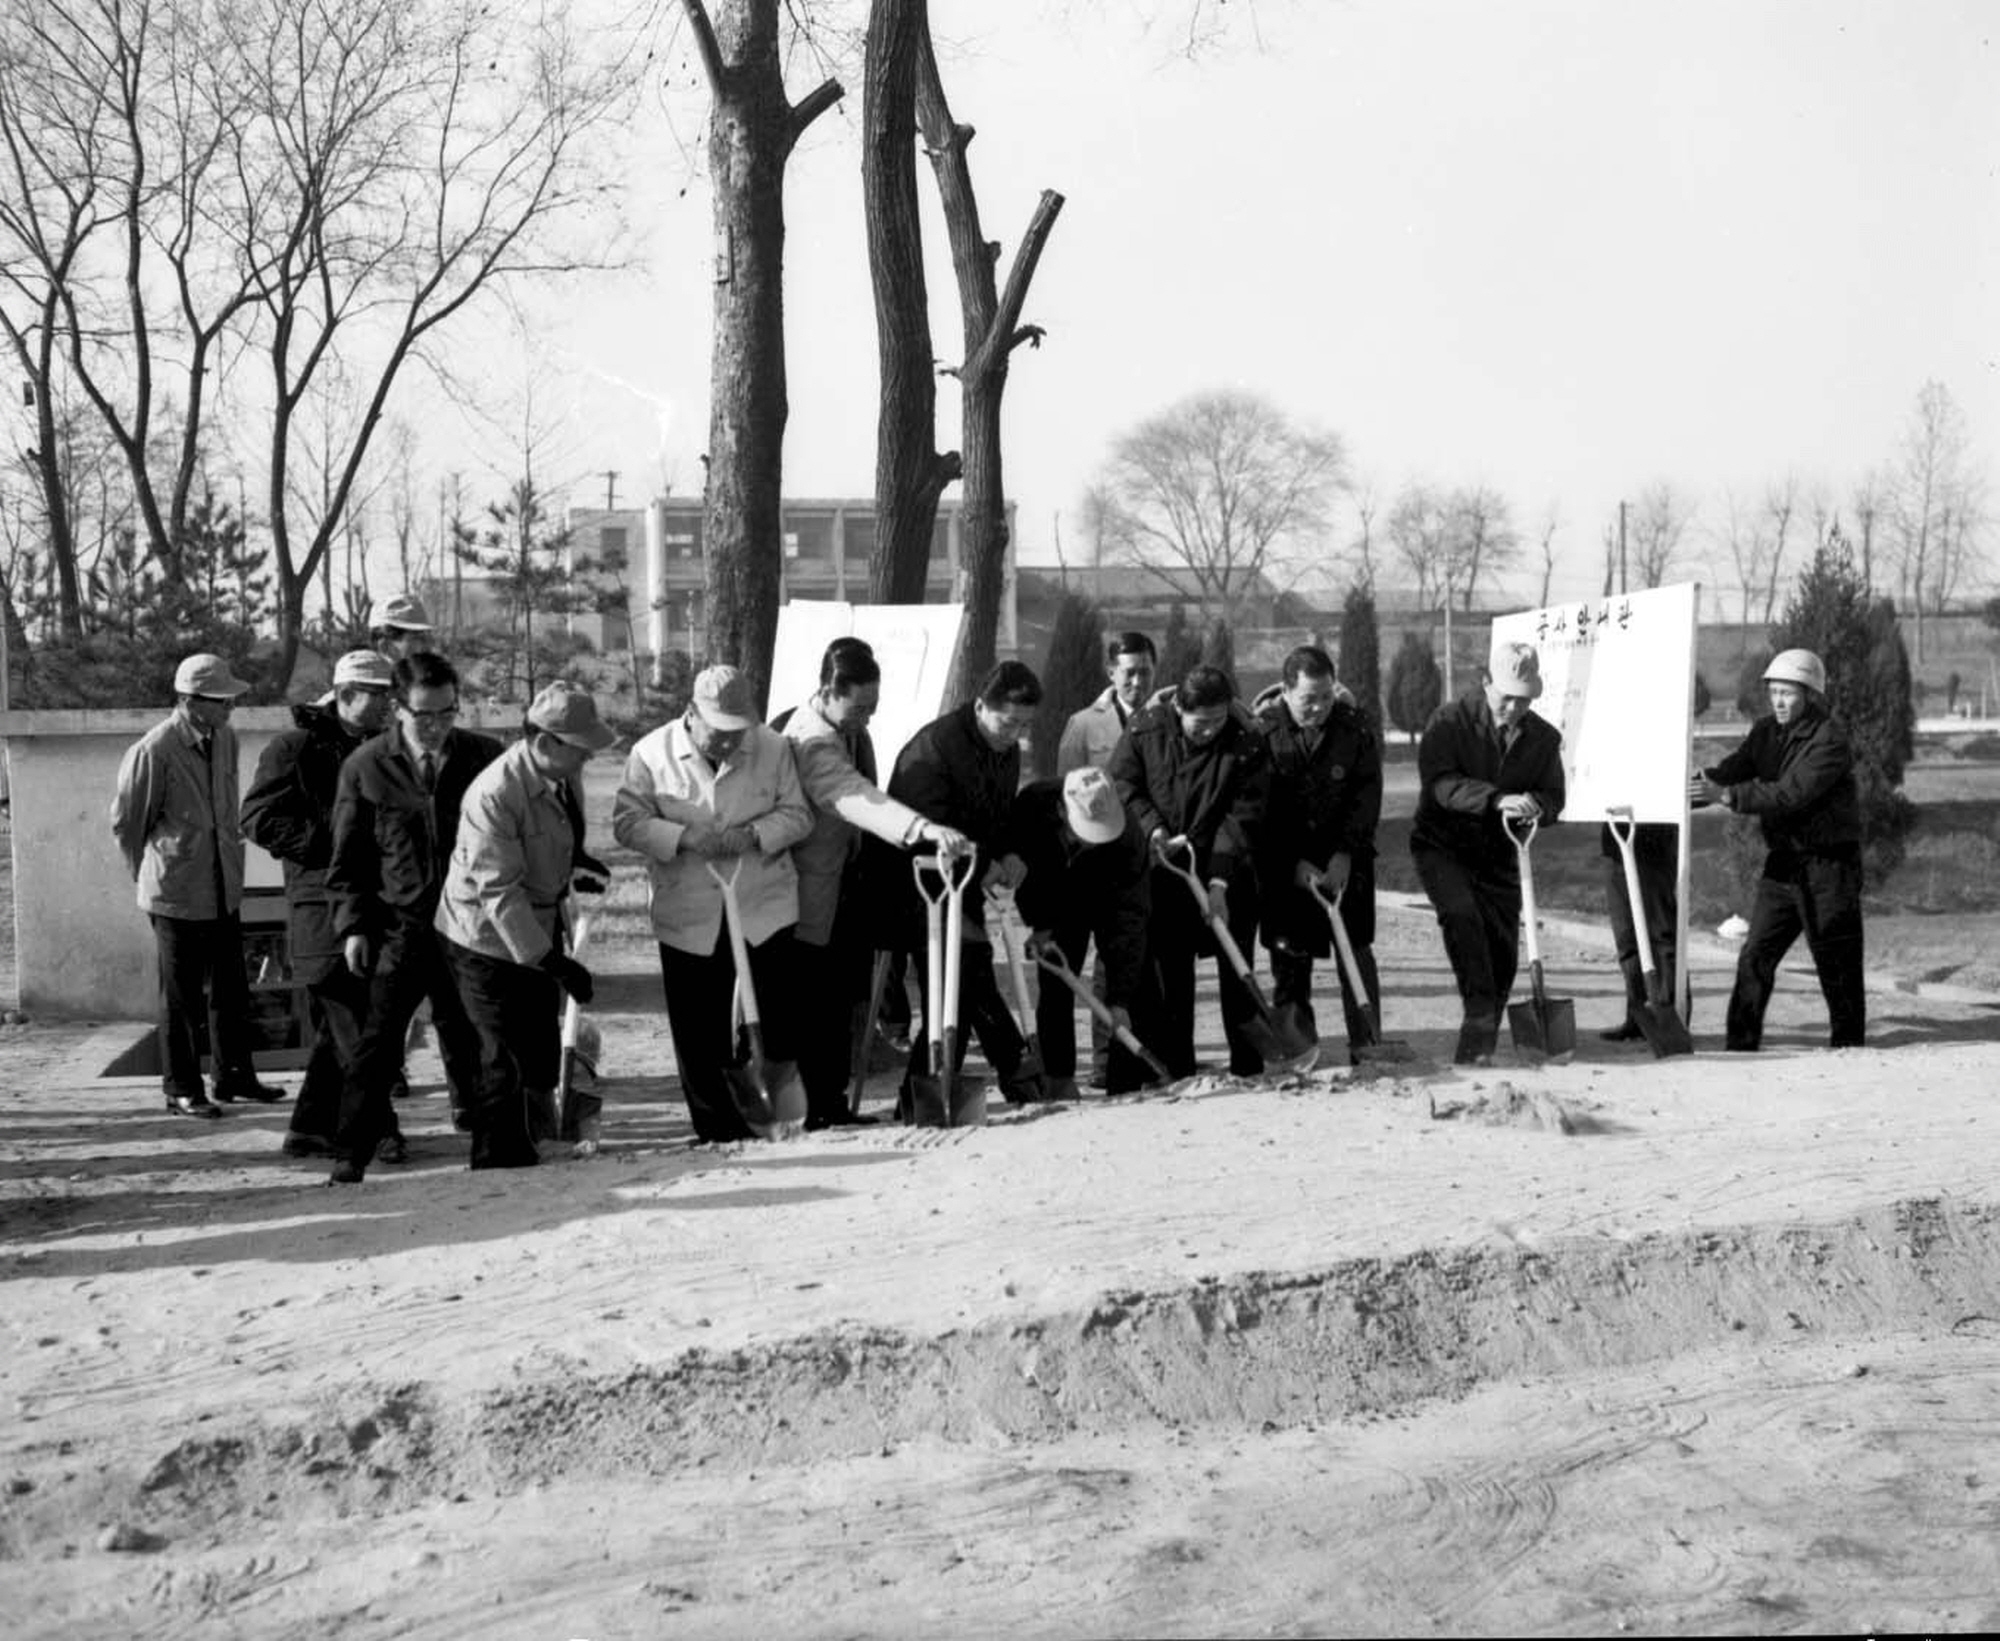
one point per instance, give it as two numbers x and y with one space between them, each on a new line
1666 1032
1544 1029
1282 1042
929 1107
752 1104
968 1104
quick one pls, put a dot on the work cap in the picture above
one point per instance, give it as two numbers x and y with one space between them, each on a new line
405 612
1091 803
722 697
368 668
207 675
1797 667
1516 670
570 715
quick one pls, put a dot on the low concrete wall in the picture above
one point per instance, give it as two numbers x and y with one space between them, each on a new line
82 947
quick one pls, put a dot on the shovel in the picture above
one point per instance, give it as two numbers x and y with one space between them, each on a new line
1374 1048
768 1093
1546 1027
1665 1031
864 1032
1283 1041
1030 1069
1052 961
571 1124
939 1099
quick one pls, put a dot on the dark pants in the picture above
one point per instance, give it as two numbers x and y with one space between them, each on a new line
1479 915
1055 1021
202 977
1820 898
337 1007
982 1013
1291 984
1655 853
410 965
1178 935
513 1011
699 992
831 983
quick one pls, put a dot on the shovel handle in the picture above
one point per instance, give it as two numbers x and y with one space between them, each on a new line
1058 965
1623 826
739 947
1002 903
1163 852
1341 944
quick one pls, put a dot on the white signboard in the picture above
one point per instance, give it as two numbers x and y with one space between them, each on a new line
1618 681
914 642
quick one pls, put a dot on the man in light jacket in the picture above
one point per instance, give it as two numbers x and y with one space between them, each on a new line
1092 732
715 788
837 931
177 820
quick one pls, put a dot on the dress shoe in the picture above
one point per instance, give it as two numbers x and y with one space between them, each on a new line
248 1088
1063 1088
296 1144
391 1148
486 1155
1625 1032
843 1118
193 1105
346 1172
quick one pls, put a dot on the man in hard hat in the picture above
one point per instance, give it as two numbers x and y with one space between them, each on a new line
288 812
1486 763
1795 773
177 819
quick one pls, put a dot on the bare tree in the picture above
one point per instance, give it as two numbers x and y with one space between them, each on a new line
1781 506
1935 506
1217 491
1488 541
1546 542
1360 493
1656 528
1422 532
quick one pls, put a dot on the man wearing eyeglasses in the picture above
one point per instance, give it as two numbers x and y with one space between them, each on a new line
394 821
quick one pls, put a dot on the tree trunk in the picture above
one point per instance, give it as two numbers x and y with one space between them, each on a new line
992 331
910 474
752 129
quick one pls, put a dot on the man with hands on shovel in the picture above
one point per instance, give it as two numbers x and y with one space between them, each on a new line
1323 802
836 939
1486 762
963 770
717 788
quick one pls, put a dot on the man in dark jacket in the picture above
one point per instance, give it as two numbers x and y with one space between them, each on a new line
1323 802
1486 762
963 771
1190 770
1086 877
1795 773
394 821
289 813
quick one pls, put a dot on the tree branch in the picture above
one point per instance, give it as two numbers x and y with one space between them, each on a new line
813 104
708 47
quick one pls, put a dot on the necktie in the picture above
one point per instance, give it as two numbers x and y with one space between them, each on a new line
428 769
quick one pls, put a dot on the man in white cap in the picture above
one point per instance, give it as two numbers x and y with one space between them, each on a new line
500 913
714 787
288 812
1486 761
1087 877
1795 773
176 818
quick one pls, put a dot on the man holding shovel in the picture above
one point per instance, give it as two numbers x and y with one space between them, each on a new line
1323 803
837 937
716 788
1486 761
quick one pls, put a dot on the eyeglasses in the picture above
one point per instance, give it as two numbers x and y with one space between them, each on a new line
443 715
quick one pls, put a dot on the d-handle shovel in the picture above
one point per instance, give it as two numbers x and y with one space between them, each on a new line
1052 961
768 1093
1665 1031
864 1031
1282 1040
569 1124
1374 1048
1030 1075
1545 1028
939 1099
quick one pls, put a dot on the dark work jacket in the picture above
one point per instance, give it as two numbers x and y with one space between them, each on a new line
288 812
1317 805
1071 884
1799 783
1462 778
391 839
1213 793
947 773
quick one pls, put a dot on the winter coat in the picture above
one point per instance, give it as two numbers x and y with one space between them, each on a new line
837 772
1102 887
1798 781
1091 734
288 813
1214 793
1462 777
948 773
1318 804
176 820
510 863
391 839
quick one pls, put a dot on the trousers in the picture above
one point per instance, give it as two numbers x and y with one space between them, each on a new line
1479 916
1819 897
202 982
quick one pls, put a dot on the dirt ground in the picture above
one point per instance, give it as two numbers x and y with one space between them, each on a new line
1688 1346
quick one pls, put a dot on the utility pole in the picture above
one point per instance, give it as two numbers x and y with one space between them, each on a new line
1623 585
611 490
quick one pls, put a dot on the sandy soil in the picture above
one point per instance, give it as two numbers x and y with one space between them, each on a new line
1689 1346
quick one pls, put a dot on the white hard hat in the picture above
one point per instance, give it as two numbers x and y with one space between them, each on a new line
1797 667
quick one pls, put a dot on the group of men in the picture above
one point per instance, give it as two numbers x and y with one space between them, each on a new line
424 862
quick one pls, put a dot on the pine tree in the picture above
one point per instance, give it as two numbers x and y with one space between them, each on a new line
1360 663
1072 674
1180 649
1868 689
525 555
1218 647
1416 687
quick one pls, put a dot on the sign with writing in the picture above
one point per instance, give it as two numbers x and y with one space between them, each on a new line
914 642
1618 681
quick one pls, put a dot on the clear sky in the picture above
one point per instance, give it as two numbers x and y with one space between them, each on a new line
1565 250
